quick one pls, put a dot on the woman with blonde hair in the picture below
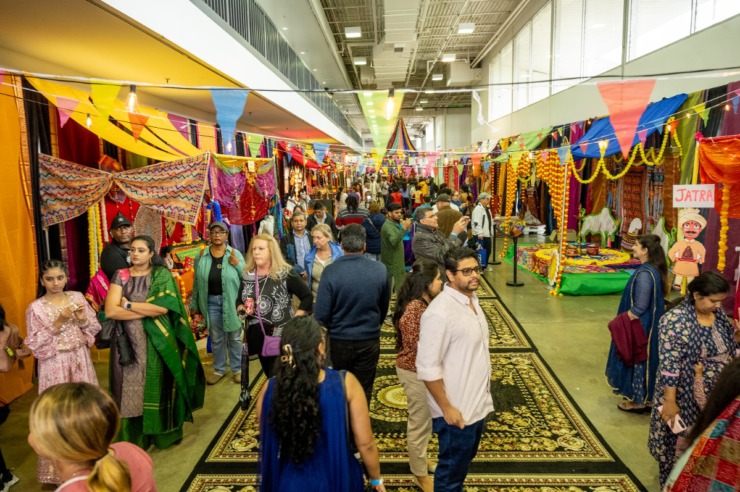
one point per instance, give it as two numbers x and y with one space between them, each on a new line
73 424
324 252
264 299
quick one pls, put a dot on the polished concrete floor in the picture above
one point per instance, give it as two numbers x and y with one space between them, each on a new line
571 335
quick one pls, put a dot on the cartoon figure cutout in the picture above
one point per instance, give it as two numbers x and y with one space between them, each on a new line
687 254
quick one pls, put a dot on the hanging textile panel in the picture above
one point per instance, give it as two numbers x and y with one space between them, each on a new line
173 189
719 162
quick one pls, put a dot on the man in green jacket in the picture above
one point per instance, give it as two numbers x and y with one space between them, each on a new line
391 245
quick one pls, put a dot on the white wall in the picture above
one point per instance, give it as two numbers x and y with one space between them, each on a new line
712 48
452 129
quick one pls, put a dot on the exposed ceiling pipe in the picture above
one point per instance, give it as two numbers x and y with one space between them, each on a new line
422 21
318 12
507 23
354 68
375 20
439 54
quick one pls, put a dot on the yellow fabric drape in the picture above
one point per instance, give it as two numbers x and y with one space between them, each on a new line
17 275
158 140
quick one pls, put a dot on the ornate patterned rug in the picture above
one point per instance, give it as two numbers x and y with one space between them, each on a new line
475 483
536 440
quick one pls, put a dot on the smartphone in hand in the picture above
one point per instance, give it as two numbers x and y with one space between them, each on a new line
678 425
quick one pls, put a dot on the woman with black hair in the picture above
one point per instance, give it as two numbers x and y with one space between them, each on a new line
163 383
696 331
711 459
352 214
642 300
422 285
304 424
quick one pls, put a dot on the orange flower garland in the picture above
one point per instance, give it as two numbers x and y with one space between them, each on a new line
724 226
564 178
511 177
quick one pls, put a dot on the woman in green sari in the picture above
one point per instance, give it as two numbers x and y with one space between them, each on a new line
163 382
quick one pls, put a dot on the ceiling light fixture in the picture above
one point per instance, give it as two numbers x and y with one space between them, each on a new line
285 28
437 76
389 104
367 94
359 60
370 103
303 52
448 57
352 32
466 28
132 105
424 101
88 121
314 70
419 108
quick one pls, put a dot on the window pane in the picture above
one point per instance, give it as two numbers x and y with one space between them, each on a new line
522 56
541 28
657 23
710 12
603 37
568 44
501 93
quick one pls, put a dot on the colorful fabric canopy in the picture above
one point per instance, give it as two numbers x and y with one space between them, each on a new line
719 163
652 119
173 189
399 140
524 143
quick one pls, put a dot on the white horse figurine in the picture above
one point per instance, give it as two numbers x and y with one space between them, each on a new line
602 223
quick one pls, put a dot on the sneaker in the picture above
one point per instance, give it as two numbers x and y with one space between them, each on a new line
214 378
13 480
237 377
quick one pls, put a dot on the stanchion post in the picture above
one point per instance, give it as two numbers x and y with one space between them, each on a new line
495 261
514 282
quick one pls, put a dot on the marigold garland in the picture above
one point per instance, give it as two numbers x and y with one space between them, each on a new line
724 226
564 178
93 249
99 230
511 178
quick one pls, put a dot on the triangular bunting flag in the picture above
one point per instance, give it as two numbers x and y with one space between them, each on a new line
642 135
103 95
583 146
2 77
563 153
138 121
254 142
65 107
626 101
320 149
735 101
229 105
705 116
486 165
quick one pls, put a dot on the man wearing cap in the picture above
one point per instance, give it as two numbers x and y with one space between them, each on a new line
116 254
446 215
483 222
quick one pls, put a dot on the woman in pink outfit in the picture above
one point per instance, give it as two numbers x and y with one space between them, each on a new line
61 328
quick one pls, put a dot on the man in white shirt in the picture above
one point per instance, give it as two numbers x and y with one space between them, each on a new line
482 222
455 365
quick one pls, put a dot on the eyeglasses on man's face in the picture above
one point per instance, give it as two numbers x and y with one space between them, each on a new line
467 272
218 233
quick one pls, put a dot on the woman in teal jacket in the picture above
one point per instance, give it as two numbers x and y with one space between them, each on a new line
218 273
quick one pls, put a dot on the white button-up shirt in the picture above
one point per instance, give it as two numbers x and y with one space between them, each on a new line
453 347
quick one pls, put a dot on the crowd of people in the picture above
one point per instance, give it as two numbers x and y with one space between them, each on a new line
294 304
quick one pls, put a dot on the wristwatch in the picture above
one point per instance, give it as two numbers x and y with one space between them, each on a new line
127 306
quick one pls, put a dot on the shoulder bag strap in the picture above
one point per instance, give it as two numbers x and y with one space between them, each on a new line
257 300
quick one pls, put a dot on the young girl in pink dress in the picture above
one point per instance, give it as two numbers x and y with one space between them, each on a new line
61 329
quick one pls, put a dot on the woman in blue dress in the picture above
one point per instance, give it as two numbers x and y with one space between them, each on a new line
642 299
696 331
304 441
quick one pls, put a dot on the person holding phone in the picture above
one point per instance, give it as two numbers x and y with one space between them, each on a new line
61 329
696 331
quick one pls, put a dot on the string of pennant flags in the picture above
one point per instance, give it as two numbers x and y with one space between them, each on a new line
626 101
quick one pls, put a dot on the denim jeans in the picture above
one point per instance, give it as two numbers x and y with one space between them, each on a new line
457 448
223 342
358 357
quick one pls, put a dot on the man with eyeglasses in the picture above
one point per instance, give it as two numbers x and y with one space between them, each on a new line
454 363
429 242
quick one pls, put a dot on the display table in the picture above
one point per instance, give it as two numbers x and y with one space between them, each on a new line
606 273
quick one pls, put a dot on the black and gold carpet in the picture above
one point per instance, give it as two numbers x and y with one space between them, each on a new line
537 440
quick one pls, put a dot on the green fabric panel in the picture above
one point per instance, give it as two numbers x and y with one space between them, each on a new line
594 284
531 141
686 133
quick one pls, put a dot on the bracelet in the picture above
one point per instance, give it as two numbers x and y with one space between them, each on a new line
453 234
376 481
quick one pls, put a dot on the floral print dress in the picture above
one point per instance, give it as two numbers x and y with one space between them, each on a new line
684 342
